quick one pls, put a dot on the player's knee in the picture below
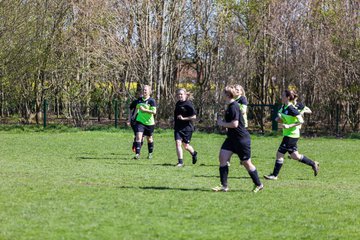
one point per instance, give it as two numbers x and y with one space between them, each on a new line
280 160
295 156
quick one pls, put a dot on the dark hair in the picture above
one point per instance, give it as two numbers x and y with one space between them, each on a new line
290 94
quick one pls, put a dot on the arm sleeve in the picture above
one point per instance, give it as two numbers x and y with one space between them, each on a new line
292 111
192 110
152 104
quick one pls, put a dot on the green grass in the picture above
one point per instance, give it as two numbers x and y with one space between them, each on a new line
84 185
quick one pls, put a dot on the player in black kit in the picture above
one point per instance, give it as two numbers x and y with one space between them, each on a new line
184 114
237 141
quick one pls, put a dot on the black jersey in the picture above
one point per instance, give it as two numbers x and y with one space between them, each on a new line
233 113
185 109
133 111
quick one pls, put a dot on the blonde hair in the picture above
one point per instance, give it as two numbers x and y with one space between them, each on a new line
188 94
241 89
230 91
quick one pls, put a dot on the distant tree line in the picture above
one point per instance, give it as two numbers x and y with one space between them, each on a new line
81 55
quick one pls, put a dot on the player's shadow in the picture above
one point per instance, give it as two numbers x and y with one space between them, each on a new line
214 176
94 158
162 188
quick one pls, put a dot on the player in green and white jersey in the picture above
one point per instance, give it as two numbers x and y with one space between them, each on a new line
291 121
145 121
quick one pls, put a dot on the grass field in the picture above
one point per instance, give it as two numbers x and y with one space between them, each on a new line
84 185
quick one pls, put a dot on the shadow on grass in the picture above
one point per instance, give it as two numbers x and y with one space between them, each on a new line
213 176
161 188
92 158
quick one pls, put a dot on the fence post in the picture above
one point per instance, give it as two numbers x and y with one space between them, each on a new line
116 112
337 118
45 105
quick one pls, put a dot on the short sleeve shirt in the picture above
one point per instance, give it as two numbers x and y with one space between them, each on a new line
144 117
233 113
185 109
289 116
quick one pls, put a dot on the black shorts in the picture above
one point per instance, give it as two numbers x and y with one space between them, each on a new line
242 147
145 129
184 136
289 145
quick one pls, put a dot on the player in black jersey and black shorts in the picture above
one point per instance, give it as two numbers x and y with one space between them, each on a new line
237 141
184 114
132 118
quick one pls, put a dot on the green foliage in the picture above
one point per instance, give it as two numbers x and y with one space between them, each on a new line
84 185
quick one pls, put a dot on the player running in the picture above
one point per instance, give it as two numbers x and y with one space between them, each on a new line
132 118
291 121
241 99
237 141
184 114
145 122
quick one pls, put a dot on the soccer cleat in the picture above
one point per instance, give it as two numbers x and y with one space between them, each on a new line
228 163
258 188
137 156
150 156
270 177
316 168
220 189
194 157
179 165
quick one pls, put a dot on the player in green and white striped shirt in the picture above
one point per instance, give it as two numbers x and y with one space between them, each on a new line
291 121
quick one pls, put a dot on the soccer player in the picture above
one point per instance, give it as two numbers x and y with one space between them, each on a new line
291 121
237 141
184 114
241 99
145 122
132 118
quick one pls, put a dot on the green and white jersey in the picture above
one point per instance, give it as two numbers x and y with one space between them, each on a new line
289 116
145 117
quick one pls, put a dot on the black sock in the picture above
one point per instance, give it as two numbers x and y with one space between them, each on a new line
138 147
180 161
307 161
255 177
134 143
224 171
277 167
151 147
